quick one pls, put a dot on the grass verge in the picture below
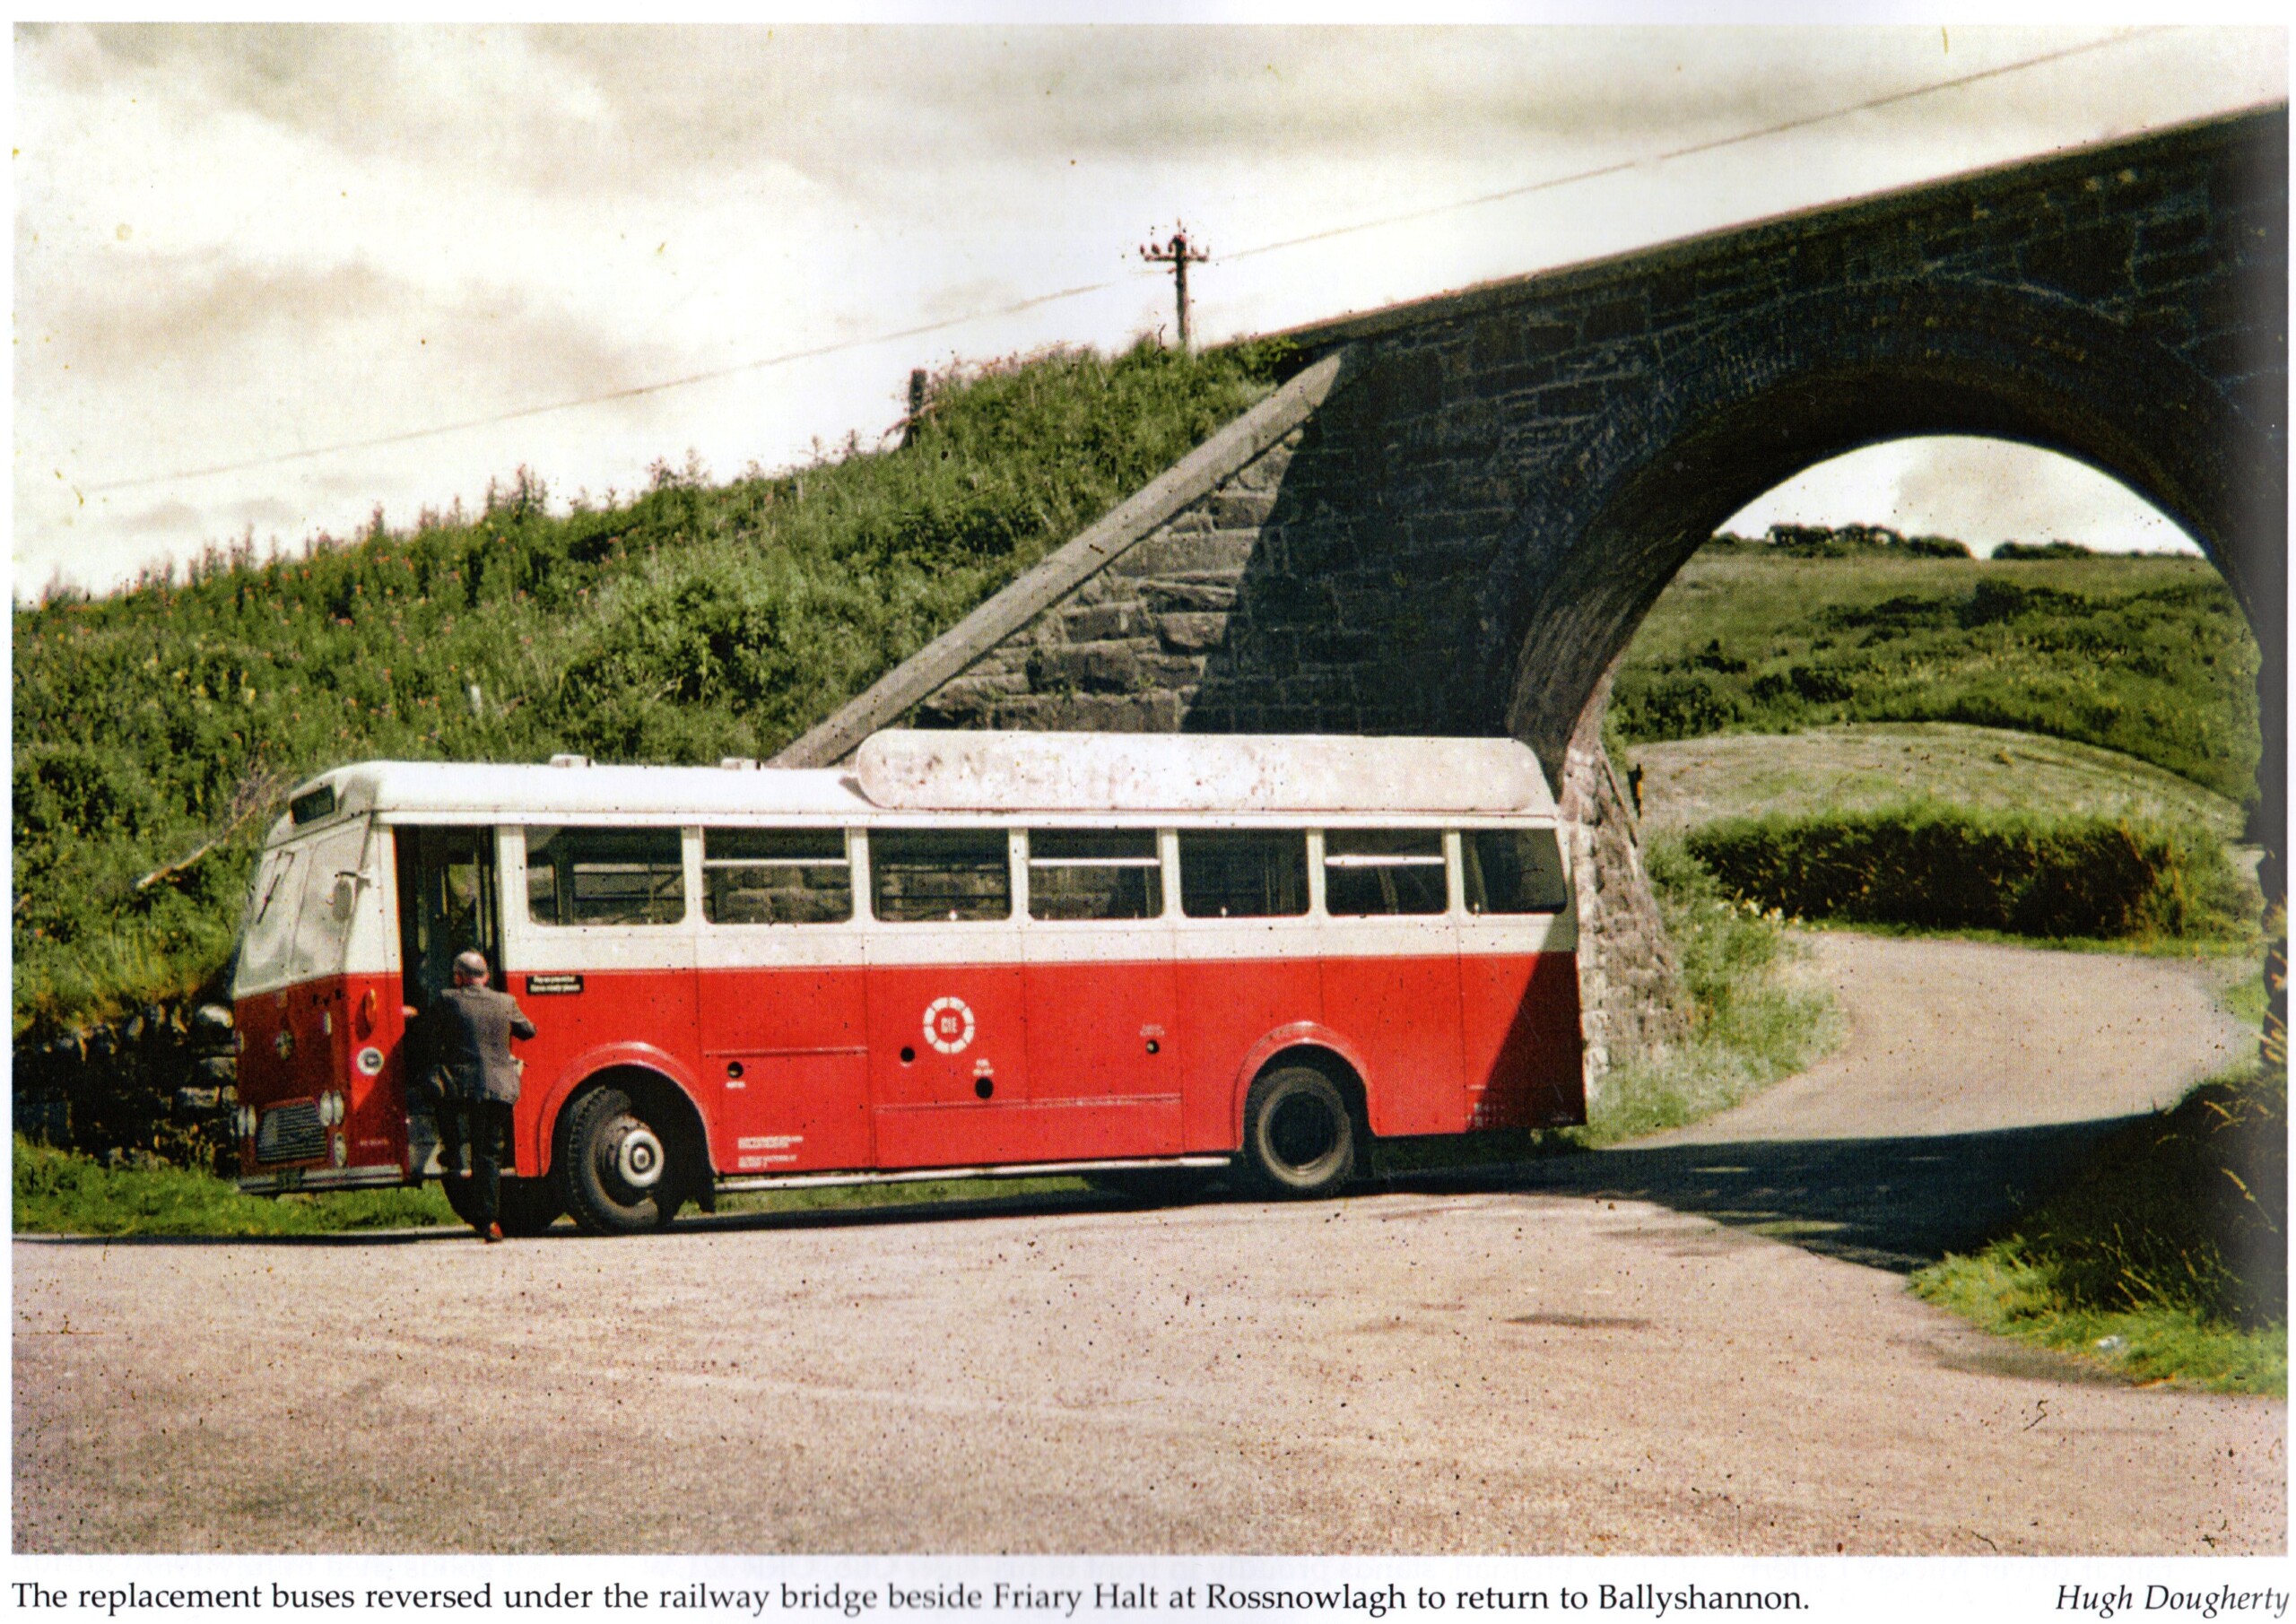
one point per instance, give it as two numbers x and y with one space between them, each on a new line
2161 1255
1753 1018
60 1192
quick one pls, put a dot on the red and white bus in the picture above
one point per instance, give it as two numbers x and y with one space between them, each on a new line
970 954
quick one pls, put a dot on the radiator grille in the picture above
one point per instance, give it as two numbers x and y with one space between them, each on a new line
291 1132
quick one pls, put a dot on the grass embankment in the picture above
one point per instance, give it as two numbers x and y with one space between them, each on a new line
1865 767
2163 1256
692 621
1754 1017
2146 655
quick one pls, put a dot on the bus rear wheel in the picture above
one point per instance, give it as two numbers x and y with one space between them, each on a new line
619 1180
1299 1134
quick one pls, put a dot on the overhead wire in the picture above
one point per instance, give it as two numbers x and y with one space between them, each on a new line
925 329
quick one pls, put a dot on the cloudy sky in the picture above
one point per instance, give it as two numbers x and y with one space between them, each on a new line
267 278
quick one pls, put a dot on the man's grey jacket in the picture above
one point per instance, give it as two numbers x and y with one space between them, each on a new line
471 1028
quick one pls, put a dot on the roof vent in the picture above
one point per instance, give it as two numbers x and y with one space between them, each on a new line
737 763
569 761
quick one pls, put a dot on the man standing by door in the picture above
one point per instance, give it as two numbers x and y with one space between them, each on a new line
470 1028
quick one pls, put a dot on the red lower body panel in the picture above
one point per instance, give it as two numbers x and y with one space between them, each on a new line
916 1066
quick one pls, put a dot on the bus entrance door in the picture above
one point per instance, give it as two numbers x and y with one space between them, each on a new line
449 902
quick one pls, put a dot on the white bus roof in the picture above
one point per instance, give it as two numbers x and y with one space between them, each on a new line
962 771
902 770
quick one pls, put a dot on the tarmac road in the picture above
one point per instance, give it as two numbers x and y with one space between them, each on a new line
1676 1347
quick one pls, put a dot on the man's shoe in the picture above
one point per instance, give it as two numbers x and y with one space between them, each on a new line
493 1233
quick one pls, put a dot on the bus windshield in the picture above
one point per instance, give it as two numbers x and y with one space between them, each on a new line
298 917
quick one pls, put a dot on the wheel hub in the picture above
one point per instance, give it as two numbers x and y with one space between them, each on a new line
639 1159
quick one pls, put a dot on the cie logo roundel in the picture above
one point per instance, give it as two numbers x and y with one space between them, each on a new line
949 1025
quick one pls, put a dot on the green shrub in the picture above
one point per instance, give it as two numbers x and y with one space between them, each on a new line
1938 867
2187 1209
2164 1252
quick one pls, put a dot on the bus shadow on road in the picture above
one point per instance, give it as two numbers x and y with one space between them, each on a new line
1896 1204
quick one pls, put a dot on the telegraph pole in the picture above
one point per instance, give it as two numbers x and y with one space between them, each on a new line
1179 253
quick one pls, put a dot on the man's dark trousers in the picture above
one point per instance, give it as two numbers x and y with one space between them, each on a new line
484 1125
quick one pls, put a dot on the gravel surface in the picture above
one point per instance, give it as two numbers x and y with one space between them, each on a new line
1539 1364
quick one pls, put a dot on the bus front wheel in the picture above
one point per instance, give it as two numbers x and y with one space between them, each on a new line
529 1206
619 1180
1299 1134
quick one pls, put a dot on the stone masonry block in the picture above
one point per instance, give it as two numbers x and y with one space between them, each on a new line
1242 509
1088 668
1187 595
1223 552
1265 473
1192 632
1100 624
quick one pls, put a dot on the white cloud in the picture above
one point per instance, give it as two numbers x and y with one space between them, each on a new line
237 244
1981 492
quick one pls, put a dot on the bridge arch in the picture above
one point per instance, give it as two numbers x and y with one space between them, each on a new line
1768 396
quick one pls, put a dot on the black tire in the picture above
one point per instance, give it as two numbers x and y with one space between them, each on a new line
529 1206
618 1178
1299 1134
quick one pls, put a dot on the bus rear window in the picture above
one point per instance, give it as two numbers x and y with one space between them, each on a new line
605 876
1094 873
775 876
1384 871
1514 871
1243 873
917 875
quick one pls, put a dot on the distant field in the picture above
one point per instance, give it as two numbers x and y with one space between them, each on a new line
1864 766
2145 656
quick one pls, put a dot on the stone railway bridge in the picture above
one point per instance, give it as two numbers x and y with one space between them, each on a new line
1452 517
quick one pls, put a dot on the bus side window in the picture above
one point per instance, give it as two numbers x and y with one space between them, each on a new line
1514 871
1094 873
1384 871
1243 873
920 875
604 876
775 876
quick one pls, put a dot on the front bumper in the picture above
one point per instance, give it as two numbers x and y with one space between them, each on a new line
323 1178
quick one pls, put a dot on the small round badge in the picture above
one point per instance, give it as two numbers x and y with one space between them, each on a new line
948 1025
